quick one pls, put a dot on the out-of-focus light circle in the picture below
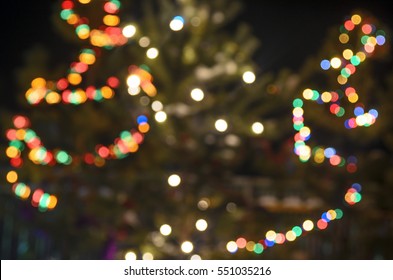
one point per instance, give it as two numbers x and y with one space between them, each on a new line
133 81
197 94
174 180
335 62
257 128
232 247
195 257
166 229
187 247
308 225
152 53
144 42
130 255
249 77
177 23
160 116
221 125
203 204
157 106
148 256
129 31
201 225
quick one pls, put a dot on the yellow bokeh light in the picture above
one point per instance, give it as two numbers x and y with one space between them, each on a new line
53 97
74 78
20 134
87 58
308 94
38 82
73 19
12 152
342 80
111 20
326 96
107 92
12 176
271 235
347 54
343 38
356 19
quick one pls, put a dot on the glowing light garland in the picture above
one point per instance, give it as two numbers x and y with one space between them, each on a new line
66 90
346 65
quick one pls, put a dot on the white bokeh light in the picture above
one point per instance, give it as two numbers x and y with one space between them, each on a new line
201 225
174 180
248 77
221 125
152 53
130 255
177 23
187 247
257 128
165 229
197 94
129 31
160 116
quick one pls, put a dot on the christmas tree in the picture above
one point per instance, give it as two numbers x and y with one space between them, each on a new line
155 134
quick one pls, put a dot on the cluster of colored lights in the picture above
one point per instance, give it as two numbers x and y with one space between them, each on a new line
108 35
353 194
67 90
22 137
278 238
39 199
370 38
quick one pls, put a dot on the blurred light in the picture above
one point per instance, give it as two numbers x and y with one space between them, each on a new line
148 256
152 53
144 42
201 225
248 77
177 23
130 255
160 116
12 176
195 258
221 125
232 247
165 229
187 247
129 31
335 62
203 204
257 127
133 81
174 180
157 106
308 225
197 94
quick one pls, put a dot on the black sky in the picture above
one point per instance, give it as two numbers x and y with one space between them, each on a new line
289 33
